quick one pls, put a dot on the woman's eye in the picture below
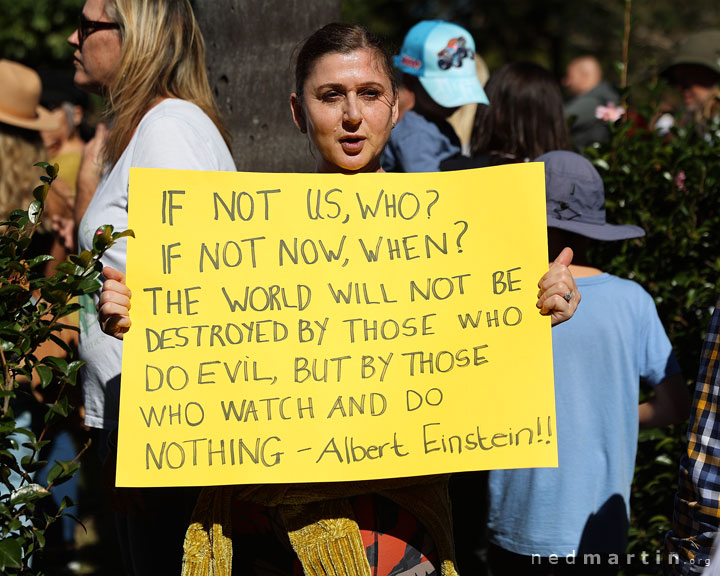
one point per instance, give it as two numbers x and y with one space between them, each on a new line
370 94
332 96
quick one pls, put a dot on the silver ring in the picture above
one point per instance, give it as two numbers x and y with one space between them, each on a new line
568 296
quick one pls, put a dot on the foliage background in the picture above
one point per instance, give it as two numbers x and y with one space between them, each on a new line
36 32
669 185
547 31
32 308
550 32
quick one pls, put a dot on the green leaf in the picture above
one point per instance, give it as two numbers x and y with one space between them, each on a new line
41 192
59 364
29 464
62 472
7 425
86 257
89 285
25 432
45 374
58 409
67 502
35 211
15 525
40 537
62 326
39 260
28 493
64 345
74 366
123 234
69 267
10 554
102 237
54 295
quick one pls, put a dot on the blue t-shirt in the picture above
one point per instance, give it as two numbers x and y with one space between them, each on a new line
599 356
419 145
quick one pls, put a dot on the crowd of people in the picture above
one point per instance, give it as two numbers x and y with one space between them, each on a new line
147 61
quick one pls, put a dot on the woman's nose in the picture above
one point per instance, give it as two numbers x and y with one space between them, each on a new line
352 113
74 39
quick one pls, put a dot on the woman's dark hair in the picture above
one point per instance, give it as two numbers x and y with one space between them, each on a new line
339 38
525 116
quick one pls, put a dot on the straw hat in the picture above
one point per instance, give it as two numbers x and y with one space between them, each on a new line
20 98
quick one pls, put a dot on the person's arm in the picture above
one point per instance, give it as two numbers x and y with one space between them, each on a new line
114 304
670 404
558 295
90 172
60 200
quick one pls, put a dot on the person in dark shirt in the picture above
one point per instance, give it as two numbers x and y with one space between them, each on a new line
525 119
439 70
590 95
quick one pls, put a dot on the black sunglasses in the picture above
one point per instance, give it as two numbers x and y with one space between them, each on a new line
87 27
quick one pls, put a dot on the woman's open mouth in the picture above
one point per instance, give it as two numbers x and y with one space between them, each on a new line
352 144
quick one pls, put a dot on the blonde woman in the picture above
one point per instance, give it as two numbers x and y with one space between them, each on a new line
19 150
21 119
147 58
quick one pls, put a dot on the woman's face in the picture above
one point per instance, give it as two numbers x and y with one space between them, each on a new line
348 109
696 84
54 139
97 60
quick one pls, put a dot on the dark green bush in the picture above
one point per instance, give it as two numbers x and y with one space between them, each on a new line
669 185
32 307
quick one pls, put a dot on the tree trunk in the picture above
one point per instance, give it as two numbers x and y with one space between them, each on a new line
250 49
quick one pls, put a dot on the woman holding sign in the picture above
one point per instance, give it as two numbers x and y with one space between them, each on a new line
346 102
147 57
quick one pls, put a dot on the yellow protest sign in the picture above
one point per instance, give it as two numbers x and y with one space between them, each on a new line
322 327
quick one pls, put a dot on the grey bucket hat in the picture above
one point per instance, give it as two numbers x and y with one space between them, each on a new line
575 198
702 48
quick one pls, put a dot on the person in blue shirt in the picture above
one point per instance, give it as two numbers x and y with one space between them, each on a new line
438 67
576 515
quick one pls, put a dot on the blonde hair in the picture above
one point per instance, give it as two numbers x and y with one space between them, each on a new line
163 56
19 150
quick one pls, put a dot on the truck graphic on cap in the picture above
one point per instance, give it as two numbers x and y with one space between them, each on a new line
453 53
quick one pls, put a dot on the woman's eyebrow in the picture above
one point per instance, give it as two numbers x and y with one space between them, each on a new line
341 86
331 86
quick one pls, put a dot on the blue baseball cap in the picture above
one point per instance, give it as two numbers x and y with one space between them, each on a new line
441 55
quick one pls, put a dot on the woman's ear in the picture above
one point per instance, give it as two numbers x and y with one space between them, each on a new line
77 115
396 109
298 113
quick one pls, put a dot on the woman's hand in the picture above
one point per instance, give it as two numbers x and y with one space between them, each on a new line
558 295
114 305
64 229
